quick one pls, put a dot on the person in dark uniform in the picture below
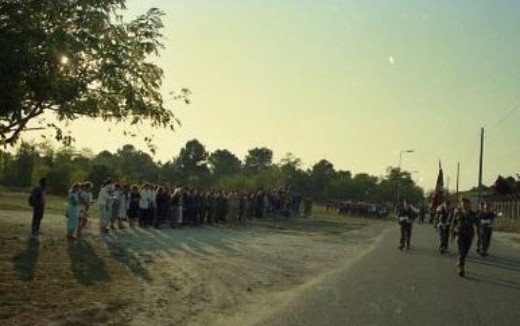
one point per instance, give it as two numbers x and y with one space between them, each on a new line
463 228
37 202
443 219
133 207
405 214
477 225
485 220
162 207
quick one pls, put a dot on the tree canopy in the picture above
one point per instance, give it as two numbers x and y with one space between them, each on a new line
196 167
78 58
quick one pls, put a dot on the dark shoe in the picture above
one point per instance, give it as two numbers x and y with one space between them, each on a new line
461 271
401 248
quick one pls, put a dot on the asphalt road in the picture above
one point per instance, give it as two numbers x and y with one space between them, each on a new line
416 287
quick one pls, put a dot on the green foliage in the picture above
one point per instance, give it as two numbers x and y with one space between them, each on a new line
78 58
195 167
19 170
224 163
258 159
191 164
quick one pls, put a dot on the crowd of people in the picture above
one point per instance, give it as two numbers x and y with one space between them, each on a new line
148 205
357 208
457 222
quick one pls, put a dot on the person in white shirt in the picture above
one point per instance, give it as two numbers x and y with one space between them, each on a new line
105 205
152 205
144 205
116 195
124 201
86 200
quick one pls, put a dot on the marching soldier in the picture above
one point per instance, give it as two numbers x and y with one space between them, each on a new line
463 228
485 219
405 214
443 219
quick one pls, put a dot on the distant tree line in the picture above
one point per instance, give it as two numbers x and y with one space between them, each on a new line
194 166
507 186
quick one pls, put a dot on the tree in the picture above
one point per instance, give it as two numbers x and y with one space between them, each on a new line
289 164
321 174
20 169
224 163
99 173
135 165
258 158
363 187
395 178
192 163
75 59
504 186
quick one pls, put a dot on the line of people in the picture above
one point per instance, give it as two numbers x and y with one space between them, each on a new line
455 222
151 206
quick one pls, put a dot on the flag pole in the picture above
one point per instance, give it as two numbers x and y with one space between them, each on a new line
481 163
458 177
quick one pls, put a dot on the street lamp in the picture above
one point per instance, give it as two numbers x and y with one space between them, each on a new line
408 151
401 156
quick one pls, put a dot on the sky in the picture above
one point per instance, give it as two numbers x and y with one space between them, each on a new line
354 82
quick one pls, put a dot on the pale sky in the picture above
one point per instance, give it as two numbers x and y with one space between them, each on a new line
354 82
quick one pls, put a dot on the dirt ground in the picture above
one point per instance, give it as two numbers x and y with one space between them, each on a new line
223 275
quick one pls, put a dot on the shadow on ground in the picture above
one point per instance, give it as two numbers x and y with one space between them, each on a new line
86 266
25 262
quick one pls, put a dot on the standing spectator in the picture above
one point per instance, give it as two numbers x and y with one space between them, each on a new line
124 200
242 206
260 203
152 204
222 207
233 207
162 208
133 206
115 205
105 205
143 205
73 206
177 207
210 202
88 200
37 201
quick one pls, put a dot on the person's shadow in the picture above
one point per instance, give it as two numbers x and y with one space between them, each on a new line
86 266
25 262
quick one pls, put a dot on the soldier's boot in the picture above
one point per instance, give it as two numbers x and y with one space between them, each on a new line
461 270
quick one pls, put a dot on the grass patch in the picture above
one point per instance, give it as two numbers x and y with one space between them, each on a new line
17 201
322 222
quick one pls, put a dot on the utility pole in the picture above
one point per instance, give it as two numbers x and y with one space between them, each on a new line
458 177
481 163
398 190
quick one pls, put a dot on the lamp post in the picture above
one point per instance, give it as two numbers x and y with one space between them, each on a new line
401 156
408 151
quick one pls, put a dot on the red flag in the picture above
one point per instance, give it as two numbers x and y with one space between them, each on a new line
438 195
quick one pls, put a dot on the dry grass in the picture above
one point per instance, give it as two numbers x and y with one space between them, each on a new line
17 201
49 280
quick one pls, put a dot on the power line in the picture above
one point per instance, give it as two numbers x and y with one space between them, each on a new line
505 117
